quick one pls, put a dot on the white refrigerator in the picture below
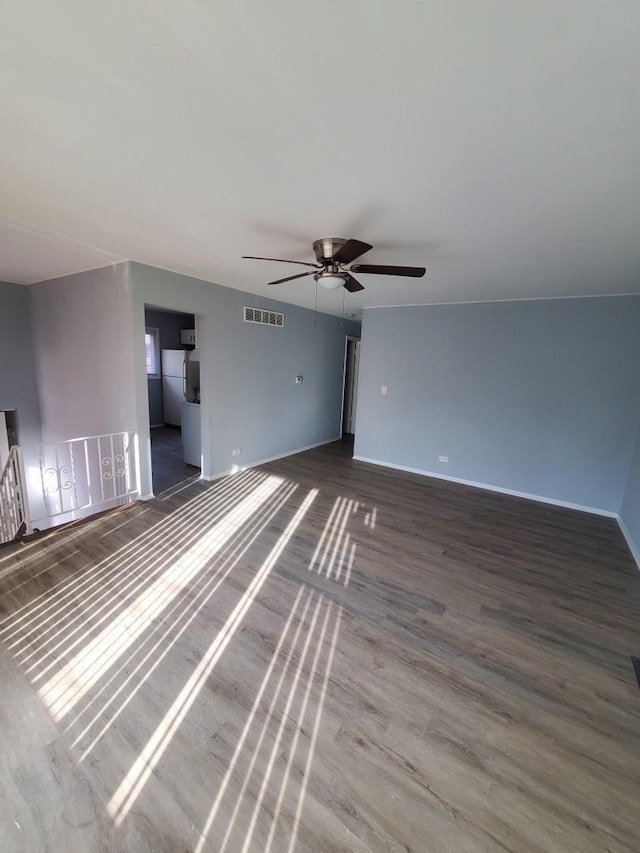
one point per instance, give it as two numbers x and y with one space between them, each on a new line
180 383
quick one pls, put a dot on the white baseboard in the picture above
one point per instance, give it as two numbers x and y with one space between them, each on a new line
539 498
635 553
237 468
209 478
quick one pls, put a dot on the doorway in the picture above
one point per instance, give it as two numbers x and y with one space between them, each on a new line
173 387
350 398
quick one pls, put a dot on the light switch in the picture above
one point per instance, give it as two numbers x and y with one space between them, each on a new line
383 389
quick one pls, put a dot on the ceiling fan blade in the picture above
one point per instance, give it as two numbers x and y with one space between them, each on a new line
281 261
351 250
377 269
352 285
290 277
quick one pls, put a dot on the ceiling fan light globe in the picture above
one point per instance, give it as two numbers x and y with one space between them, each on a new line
331 281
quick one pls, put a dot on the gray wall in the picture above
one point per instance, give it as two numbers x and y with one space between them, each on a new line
89 344
83 345
18 384
539 397
169 325
249 398
630 512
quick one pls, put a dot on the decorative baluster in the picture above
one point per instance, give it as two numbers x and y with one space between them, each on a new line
85 443
76 502
21 481
103 474
45 496
113 467
14 504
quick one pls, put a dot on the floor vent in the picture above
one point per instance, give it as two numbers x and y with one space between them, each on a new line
636 666
262 316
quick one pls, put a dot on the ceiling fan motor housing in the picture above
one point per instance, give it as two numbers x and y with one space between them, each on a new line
326 247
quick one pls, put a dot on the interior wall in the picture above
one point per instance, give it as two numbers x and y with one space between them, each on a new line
537 397
249 396
169 325
18 383
630 512
83 346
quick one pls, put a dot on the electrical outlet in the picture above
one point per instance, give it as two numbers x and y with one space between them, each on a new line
443 458
236 452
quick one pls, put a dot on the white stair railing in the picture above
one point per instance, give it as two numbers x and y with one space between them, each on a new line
14 503
68 480
72 479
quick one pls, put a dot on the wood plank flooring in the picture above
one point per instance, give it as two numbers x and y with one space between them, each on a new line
167 463
321 655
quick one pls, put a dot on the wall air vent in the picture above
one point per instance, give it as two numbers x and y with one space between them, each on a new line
262 316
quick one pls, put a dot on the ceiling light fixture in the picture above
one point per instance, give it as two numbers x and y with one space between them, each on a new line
331 280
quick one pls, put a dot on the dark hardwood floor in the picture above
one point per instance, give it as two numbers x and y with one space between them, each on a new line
322 655
168 467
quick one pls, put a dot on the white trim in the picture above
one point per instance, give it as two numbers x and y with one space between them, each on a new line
635 553
506 299
490 488
236 470
347 338
344 380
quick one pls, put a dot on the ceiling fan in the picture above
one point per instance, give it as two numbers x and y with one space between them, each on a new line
333 255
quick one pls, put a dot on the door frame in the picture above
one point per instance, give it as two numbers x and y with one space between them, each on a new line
355 339
144 427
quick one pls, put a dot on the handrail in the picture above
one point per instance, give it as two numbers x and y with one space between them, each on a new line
76 438
6 465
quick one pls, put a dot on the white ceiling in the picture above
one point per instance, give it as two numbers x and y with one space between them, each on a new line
495 142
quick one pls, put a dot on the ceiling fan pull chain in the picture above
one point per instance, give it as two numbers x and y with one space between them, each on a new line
315 306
